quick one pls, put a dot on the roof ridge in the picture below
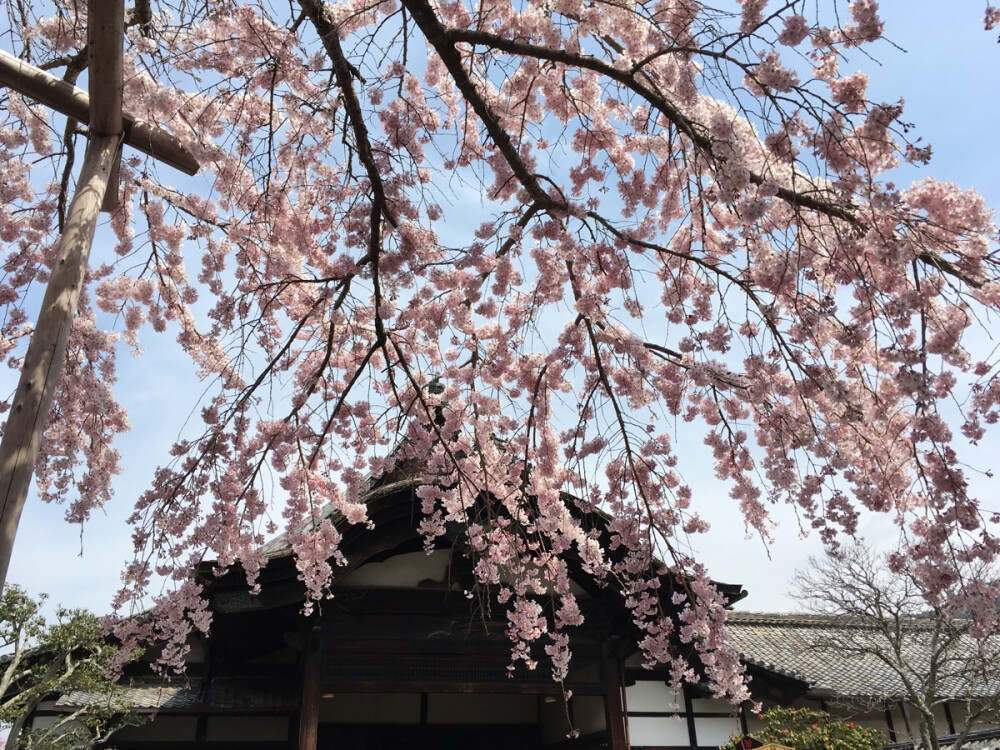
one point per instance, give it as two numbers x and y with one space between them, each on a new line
813 619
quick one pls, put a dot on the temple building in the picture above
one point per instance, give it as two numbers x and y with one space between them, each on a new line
403 657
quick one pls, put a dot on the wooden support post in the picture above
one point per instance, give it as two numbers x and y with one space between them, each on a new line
614 699
312 664
689 715
43 361
105 37
47 349
105 40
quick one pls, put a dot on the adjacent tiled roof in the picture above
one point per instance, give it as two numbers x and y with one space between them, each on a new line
249 693
984 739
231 693
813 649
143 693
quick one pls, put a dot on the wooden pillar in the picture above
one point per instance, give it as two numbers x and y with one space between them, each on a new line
105 37
889 723
312 663
689 714
43 361
949 718
614 698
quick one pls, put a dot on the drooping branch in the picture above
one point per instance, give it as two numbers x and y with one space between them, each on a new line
629 78
345 74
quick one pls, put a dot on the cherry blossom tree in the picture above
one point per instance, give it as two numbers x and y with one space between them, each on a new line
535 245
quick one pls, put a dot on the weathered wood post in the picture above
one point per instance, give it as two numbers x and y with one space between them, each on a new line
109 128
614 701
47 348
312 666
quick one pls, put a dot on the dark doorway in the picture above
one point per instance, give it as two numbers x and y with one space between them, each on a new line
428 737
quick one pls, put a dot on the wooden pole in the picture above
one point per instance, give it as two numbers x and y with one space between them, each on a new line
43 361
67 99
47 349
105 34
312 664
614 701
105 56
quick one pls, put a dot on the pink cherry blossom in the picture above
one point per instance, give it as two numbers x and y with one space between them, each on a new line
522 252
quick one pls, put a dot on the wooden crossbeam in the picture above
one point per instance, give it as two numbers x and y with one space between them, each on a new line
67 99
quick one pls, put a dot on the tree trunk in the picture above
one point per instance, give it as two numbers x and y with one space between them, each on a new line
928 732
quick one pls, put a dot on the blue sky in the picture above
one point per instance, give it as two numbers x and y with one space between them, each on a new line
940 61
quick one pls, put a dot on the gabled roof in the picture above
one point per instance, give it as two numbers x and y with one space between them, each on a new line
813 648
403 480
279 546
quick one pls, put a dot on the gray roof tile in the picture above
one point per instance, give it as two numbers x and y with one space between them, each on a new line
228 693
835 655
141 693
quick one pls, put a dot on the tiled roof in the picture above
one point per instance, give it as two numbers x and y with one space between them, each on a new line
256 692
983 739
833 654
142 693
233 693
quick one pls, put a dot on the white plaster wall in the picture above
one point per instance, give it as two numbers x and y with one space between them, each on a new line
402 571
714 731
658 730
652 695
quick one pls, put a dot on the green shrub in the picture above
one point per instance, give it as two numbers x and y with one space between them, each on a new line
804 729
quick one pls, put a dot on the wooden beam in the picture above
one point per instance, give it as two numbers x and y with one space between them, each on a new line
46 353
67 99
105 43
312 665
105 37
614 701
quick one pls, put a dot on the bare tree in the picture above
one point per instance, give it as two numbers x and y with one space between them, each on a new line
926 654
